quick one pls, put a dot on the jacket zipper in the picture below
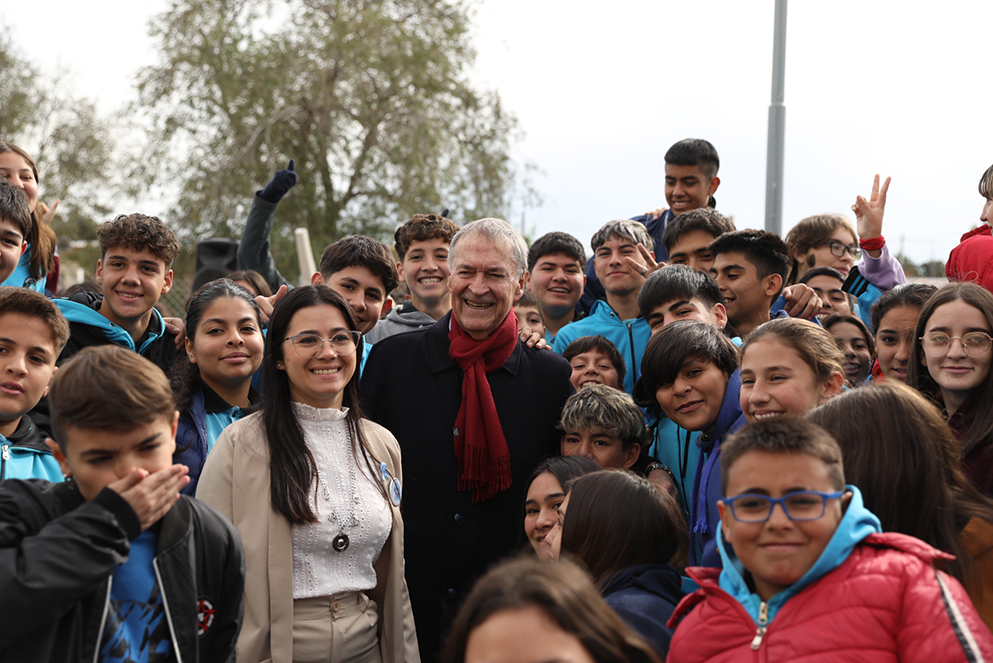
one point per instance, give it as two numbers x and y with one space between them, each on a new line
4 457
165 606
103 620
763 620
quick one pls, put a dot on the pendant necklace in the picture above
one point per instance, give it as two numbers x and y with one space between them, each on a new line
340 542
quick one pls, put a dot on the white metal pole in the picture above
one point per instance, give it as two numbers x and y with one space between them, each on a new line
777 127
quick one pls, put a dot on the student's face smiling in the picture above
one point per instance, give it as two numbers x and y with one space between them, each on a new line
692 249
957 374
608 451
775 381
541 512
593 368
364 292
27 364
687 188
317 381
425 269
693 400
483 284
98 457
227 346
851 342
895 341
779 551
613 271
557 281
746 296
16 170
523 635
11 247
833 298
132 282
687 309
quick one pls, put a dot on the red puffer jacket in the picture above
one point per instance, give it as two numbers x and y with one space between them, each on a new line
886 602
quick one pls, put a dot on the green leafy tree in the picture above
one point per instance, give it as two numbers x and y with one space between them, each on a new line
69 141
371 97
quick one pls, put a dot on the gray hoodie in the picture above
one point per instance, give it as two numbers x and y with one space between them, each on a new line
399 320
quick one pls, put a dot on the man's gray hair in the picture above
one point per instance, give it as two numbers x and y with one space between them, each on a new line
629 230
493 230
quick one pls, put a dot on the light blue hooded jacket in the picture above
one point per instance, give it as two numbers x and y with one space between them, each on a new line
857 523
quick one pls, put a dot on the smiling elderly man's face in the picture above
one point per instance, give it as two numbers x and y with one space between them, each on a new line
484 284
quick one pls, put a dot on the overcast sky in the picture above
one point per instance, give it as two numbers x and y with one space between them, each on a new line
603 89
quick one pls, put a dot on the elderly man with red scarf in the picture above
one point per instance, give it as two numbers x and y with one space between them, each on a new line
474 410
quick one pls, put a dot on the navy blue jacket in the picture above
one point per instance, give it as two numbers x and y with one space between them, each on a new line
705 521
192 439
645 596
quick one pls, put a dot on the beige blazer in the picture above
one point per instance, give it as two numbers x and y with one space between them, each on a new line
235 481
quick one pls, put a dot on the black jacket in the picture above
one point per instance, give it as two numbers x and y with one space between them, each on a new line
58 552
645 597
87 327
414 388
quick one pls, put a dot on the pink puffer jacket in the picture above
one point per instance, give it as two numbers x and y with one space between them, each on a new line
886 602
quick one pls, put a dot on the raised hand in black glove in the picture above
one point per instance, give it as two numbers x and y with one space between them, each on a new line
280 184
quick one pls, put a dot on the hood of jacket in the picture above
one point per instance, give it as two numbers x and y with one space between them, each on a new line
661 580
728 416
409 316
83 308
27 436
707 483
857 523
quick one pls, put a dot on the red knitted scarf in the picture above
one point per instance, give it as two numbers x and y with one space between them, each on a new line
480 447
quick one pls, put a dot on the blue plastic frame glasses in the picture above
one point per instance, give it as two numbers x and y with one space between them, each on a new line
801 505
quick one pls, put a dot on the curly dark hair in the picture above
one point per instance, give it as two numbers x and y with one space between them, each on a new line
420 228
139 232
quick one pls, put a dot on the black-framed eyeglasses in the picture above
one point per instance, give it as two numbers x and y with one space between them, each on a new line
838 249
974 344
309 346
801 505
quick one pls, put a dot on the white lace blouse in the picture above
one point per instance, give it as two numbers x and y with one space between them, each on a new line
351 491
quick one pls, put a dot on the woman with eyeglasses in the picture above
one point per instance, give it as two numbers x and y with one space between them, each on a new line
828 240
314 489
950 364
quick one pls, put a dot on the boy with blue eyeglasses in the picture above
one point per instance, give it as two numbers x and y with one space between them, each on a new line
808 575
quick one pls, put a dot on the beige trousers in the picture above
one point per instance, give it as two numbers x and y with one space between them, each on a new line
336 629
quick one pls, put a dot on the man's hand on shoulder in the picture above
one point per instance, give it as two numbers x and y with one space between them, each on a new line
533 340
655 214
176 327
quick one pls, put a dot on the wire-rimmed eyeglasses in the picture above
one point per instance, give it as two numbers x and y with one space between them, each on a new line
311 345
